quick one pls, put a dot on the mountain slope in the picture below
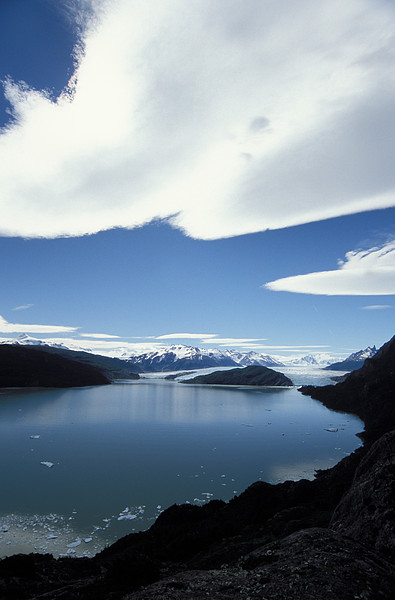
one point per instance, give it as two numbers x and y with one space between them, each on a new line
28 367
368 392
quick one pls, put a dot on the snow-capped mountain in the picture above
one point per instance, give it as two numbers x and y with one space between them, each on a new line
246 359
354 361
178 357
362 355
319 359
26 340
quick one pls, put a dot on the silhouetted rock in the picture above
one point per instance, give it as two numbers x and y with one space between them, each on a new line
368 393
254 375
367 511
112 368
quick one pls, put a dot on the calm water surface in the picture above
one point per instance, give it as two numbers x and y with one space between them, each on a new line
120 454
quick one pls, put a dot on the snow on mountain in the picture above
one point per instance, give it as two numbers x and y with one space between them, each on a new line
246 359
26 340
179 357
354 361
318 359
362 355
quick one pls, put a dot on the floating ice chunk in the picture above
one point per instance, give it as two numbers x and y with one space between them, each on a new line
87 540
46 463
223 475
74 544
126 517
247 425
331 429
34 437
159 507
51 537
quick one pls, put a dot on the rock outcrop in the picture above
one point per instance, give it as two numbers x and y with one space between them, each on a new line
327 539
254 375
367 392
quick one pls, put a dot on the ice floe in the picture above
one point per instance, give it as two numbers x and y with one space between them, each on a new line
46 463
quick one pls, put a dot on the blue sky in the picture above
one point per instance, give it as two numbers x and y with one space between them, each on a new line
173 173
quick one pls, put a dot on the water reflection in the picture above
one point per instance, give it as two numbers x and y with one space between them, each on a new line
122 452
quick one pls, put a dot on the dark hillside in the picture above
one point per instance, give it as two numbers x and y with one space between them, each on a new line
22 366
254 375
113 368
368 392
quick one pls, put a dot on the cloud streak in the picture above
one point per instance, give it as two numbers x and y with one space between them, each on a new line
201 336
6 327
23 307
363 273
224 122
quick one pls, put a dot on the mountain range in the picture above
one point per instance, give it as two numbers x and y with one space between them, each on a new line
179 357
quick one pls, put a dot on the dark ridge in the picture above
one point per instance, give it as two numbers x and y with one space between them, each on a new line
22 366
254 375
367 393
113 368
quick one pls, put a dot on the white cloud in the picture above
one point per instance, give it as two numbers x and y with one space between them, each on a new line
263 115
6 327
169 336
99 335
232 341
362 273
377 307
23 307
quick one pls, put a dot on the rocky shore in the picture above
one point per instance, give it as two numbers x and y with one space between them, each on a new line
328 539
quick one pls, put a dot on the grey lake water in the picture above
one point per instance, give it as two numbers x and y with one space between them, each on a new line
84 466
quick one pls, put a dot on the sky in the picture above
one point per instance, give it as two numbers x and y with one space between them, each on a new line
179 171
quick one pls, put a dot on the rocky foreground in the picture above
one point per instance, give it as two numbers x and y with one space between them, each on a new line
328 539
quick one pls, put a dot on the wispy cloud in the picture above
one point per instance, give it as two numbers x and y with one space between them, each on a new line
6 327
99 335
363 273
23 307
224 121
228 341
200 336
377 307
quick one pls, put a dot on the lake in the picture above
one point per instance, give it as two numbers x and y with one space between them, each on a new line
84 466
